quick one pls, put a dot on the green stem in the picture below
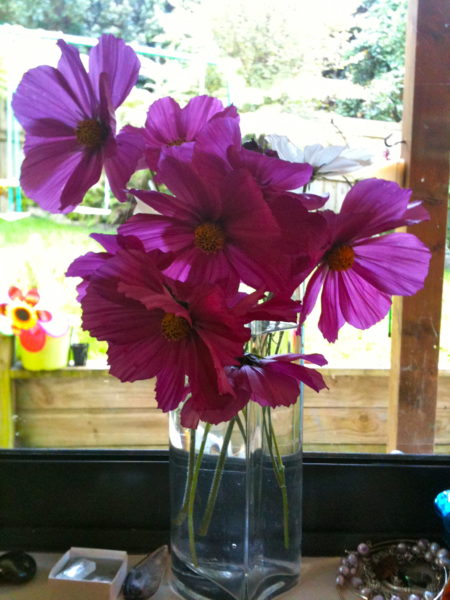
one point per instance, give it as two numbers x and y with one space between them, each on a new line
192 491
206 521
279 471
283 489
183 510
241 428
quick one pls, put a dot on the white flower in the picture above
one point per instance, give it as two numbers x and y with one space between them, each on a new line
330 160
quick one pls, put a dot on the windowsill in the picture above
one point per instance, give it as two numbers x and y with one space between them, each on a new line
317 581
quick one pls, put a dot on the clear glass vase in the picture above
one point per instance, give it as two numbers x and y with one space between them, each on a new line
236 505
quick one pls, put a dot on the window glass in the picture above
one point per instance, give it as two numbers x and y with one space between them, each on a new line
326 72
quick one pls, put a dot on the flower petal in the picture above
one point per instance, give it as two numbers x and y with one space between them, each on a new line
312 292
119 61
396 263
33 339
46 170
331 317
73 71
381 205
197 113
43 94
83 177
122 164
362 305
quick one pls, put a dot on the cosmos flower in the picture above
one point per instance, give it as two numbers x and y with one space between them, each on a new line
270 381
326 160
30 323
222 137
360 270
157 327
218 228
168 126
68 117
275 380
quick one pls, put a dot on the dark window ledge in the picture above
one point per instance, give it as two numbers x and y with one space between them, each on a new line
53 499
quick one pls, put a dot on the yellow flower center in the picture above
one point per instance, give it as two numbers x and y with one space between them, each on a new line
340 258
209 237
22 317
174 328
90 133
177 142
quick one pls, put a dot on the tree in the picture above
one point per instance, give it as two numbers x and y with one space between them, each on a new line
376 59
265 41
377 42
131 19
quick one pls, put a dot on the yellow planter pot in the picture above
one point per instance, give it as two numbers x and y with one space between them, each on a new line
54 354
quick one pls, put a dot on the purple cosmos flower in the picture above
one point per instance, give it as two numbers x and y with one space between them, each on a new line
272 381
68 117
222 137
168 126
157 327
360 270
302 230
275 380
217 227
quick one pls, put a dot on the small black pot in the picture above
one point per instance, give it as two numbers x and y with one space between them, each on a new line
79 354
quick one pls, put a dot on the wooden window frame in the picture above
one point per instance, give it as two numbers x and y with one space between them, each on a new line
417 319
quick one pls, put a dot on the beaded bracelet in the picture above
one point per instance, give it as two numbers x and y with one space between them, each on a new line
395 570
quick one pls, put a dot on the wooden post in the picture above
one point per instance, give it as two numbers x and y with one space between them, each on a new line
6 400
416 319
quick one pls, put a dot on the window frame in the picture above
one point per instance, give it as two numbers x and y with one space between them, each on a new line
53 499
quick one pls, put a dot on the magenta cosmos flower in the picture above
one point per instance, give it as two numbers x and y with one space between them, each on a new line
360 270
168 126
222 137
271 381
217 228
157 327
68 117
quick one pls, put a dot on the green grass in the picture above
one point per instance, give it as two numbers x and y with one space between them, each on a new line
35 252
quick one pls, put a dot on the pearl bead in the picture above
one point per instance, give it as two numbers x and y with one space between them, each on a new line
378 597
365 591
428 595
353 571
401 548
352 559
442 553
414 597
340 580
363 549
356 582
423 544
395 597
415 550
344 571
434 548
428 556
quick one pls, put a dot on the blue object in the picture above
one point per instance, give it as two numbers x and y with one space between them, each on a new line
442 508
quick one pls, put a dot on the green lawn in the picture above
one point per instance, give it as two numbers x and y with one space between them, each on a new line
36 251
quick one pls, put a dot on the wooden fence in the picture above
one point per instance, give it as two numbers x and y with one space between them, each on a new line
82 407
